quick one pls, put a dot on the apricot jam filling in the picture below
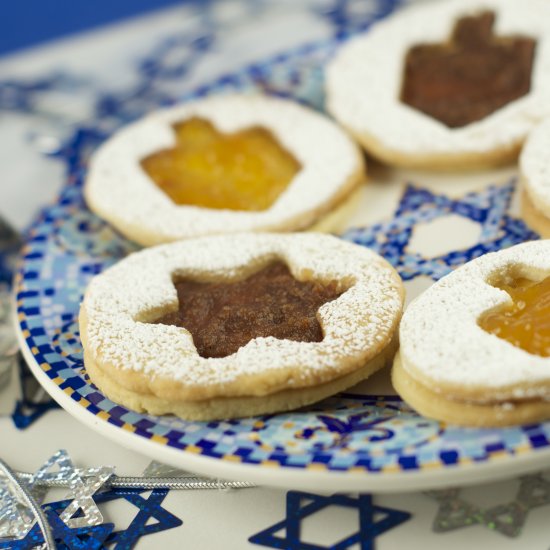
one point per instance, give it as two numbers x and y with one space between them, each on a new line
244 170
526 323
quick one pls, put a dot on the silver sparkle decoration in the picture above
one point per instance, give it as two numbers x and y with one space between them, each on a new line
507 519
11 508
82 491
31 504
82 484
21 493
138 482
155 476
21 496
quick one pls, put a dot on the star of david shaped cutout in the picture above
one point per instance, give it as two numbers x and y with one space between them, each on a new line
302 505
224 316
488 208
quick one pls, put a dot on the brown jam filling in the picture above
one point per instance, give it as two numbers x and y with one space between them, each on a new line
525 324
222 317
246 170
473 75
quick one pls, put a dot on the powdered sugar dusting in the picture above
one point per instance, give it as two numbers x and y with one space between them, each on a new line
364 80
120 190
357 325
440 336
535 167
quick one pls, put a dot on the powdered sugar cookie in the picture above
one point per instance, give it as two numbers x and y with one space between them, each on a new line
224 164
475 347
535 179
455 84
230 326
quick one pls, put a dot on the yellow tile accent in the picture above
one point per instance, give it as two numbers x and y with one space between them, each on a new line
58 380
45 367
68 391
26 333
104 415
193 449
129 428
270 463
391 468
84 402
159 439
231 458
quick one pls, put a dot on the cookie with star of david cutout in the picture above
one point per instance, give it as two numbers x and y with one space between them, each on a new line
232 326
224 164
450 85
475 347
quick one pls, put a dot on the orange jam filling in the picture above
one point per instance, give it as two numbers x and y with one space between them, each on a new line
245 170
526 323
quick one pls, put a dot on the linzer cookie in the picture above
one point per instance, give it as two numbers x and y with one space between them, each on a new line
455 84
535 179
222 165
475 347
231 326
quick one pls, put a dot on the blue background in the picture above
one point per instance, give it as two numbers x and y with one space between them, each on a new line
26 23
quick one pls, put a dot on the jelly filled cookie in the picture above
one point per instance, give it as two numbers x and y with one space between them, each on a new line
475 347
230 326
222 165
535 179
456 84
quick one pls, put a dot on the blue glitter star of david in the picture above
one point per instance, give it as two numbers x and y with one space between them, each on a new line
488 208
149 508
103 535
302 505
81 538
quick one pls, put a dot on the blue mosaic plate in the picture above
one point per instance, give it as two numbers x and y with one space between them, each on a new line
352 441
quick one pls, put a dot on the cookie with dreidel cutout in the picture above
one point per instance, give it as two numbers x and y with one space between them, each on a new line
446 85
223 164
